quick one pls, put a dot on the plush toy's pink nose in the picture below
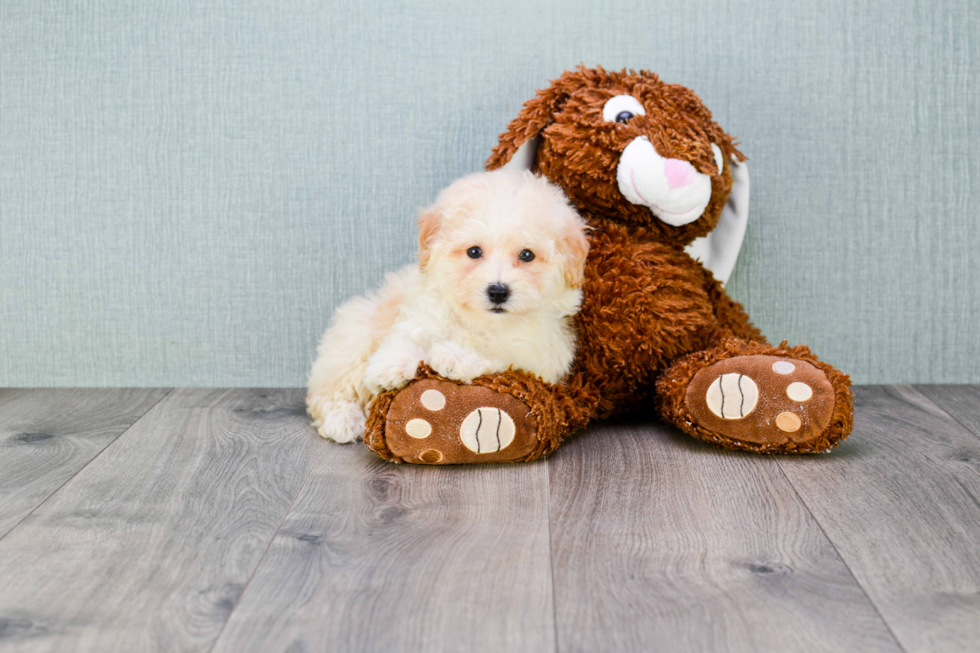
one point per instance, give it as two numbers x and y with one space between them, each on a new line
679 173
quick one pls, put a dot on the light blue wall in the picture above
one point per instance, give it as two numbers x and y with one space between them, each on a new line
187 189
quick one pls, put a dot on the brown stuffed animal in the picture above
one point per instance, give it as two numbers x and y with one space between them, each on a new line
646 165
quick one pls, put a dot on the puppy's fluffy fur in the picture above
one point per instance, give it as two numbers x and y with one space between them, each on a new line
443 312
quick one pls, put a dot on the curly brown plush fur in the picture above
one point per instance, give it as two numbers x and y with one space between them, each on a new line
652 316
579 150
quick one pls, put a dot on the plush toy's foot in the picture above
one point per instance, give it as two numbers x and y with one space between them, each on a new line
759 398
509 417
765 400
440 422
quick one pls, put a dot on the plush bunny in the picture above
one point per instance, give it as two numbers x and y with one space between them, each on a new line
666 193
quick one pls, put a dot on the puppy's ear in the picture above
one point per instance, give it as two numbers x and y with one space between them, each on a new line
518 145
430 221
574 247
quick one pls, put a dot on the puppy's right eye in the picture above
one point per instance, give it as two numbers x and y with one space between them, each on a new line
474 252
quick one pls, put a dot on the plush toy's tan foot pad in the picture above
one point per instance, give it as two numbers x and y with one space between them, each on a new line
433 422
762 399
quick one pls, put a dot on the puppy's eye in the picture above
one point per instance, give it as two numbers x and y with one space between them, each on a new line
622 109
474 252
526 255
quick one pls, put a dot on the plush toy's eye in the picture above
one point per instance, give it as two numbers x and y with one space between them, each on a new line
474 252
719 159
526 255
622 108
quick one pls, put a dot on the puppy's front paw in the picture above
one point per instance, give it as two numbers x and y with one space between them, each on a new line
387 370
454 362
340 421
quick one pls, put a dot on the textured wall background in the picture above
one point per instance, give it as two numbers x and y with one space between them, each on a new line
187 189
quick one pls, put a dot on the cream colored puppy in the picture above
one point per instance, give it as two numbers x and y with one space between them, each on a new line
499 277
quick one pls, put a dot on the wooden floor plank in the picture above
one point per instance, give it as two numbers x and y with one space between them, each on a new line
46 436
962 402
150 546
382 557
661 542
900 499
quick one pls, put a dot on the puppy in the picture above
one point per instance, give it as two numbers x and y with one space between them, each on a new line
499 277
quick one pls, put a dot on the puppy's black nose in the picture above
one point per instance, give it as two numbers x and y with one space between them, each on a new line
498 293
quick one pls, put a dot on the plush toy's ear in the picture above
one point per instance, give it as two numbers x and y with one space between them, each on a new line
523 158
718 251
430 221
519 144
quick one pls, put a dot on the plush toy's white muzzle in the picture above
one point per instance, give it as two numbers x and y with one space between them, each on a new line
671 188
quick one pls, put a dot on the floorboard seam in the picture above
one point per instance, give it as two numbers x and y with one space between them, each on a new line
268 546
85 466
840 557
953 417
551 554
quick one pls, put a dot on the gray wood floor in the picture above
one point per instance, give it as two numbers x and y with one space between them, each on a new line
214 520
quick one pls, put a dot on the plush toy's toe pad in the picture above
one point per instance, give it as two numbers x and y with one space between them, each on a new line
435 422
762 400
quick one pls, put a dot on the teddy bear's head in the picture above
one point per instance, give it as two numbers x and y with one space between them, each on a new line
627 147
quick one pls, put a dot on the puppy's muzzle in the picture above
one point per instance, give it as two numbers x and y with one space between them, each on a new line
498 294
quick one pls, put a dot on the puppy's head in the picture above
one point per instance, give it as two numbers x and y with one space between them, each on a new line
504 243
629 147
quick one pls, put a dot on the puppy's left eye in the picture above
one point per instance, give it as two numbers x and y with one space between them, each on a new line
526 255
474 252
